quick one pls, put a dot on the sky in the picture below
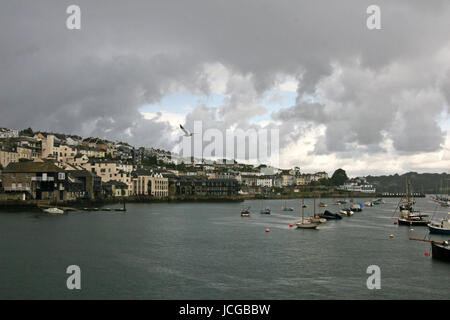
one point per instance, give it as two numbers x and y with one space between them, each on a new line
339 94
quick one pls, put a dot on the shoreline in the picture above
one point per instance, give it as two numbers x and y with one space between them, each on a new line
20 205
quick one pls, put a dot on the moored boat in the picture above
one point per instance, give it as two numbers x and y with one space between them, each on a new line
408 216
53 211
330 215
442 227
306 224
245 213
346 212
439 249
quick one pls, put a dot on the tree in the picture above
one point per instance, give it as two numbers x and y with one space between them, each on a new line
339 177
27 132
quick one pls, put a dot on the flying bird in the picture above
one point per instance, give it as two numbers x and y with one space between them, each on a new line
186 133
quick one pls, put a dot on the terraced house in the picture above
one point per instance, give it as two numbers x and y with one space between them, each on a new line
40 180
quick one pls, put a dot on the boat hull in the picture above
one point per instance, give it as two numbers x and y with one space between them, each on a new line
405 222
438 230
440 251
306 226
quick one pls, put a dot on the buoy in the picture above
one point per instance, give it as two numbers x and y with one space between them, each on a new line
291 225
427 253
267 230
395 222
391 236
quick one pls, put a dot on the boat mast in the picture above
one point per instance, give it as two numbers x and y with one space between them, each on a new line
303 200
314 194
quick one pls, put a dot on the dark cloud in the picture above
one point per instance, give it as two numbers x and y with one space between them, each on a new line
94 81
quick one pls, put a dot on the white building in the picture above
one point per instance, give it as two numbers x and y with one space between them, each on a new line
8 133
358 186
264 182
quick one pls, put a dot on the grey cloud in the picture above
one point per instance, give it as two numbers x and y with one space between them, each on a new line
93 81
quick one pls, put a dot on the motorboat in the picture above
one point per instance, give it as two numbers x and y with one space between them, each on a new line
53 211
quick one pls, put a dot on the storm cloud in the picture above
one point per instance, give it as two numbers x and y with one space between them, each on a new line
371 91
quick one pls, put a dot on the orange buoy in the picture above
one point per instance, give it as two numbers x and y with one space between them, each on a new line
267 230
391 236
395 222
427 253
291 225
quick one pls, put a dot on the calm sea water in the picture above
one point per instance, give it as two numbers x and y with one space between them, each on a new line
207 251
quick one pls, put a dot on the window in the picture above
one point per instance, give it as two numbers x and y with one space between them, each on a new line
61 175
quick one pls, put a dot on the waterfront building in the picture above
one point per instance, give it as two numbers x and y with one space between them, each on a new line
40 180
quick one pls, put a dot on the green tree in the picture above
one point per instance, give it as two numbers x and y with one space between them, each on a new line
339 177
27 132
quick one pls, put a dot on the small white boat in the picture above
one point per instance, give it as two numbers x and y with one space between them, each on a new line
54 211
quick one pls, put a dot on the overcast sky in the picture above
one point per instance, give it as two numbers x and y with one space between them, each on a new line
369 101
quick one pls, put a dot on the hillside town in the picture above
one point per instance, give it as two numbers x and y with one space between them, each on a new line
40 166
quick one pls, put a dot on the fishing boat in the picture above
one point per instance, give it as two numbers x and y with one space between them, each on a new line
442 227
305 224
408 216
330 215
245 212
439 249
53 211
356 207
368 204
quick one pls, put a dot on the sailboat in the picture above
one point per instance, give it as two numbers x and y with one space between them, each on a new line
315 218
305 224
407 214
264 210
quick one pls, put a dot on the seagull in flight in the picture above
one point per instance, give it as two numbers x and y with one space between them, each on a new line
186 133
